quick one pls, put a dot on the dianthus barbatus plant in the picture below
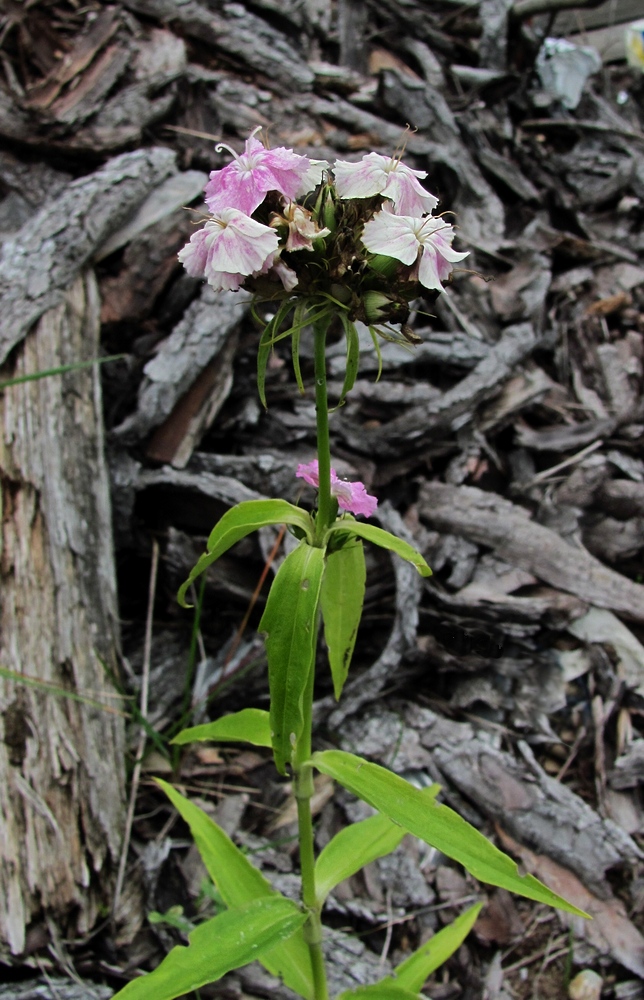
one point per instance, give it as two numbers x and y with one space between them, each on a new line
356 241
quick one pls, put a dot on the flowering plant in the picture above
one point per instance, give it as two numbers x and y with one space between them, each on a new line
357 242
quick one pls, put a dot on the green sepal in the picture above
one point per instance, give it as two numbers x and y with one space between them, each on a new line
378 536
413 972
239 521
437 825
226 942
239 882
290 624
251 725
341 600
355 846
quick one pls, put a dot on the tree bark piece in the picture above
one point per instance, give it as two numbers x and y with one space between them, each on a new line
39 263
487 519
62 761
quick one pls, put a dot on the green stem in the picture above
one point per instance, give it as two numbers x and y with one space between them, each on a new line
302 772
326 507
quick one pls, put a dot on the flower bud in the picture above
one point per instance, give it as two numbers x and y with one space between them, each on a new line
386 266
328 214
377 306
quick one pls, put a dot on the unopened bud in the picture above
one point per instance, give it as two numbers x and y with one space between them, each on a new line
386 266
377 306
328 214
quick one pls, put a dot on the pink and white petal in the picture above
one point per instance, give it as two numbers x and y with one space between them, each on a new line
221 281
308 471
429 269
242 245
234 189
194 255
393 236
407 194
286 274
354 498
312 176
363 179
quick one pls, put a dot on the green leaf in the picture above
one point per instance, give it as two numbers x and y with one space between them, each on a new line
353 357
386 989
341 600
239 882
413 972
300 309
240 521
376 344
61 370
437 825
251 725
266 343
358 845
385 540
290 624
227 941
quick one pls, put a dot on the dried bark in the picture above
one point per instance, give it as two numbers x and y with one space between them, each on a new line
62 761
492 521
39 263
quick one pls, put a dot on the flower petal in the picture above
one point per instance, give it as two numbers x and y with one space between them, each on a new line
393 236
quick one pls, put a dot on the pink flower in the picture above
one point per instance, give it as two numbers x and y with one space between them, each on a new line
229 248
245 182
427 243
302 229
377 174
350 496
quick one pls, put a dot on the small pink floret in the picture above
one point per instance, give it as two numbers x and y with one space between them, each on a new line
427 243
244 183
352 497
229 248
385 175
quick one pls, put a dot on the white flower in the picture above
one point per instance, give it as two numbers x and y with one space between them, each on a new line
385 175
229 248
427 243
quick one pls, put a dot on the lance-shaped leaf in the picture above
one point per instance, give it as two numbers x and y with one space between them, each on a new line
290 624
353 356
341 600
228 941
240 521
239 882
266 343
251 725
378 536
437 825
355 846
413 972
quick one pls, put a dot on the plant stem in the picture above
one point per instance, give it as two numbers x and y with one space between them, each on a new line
303 775
326 512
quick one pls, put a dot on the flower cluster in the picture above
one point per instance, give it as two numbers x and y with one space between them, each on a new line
352 497
366 227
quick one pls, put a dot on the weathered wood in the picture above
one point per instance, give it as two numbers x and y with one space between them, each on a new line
62 762
39 263
507 528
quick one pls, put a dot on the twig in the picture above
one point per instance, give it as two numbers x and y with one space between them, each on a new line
588 450
390 930
145 689
574 750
